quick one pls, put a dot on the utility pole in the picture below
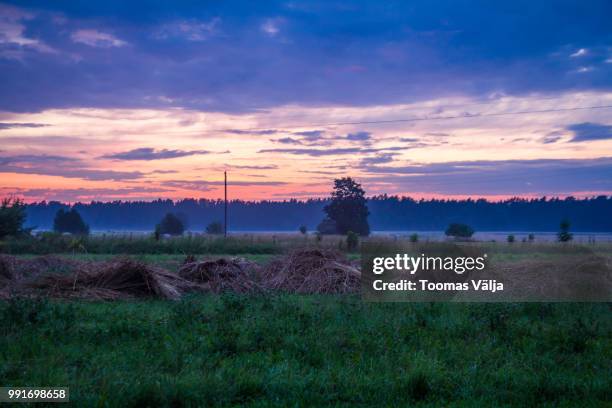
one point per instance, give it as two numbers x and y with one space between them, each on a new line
225 223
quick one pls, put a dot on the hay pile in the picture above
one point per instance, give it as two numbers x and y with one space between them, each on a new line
220 275
312 271
120 279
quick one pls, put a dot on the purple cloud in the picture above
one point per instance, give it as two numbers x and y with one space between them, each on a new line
584 132
148 153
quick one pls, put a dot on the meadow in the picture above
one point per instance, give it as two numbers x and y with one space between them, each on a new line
309 351
274 348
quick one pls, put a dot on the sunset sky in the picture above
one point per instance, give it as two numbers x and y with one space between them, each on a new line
122 100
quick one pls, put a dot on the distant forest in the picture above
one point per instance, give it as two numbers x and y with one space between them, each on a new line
387 213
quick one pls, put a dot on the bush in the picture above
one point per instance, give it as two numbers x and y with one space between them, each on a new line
12 217
215 228
171 225
70 222
303 229
414 237
459 231
510 238
352 241
564 235
530 237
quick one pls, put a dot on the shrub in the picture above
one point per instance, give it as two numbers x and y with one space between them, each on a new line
352 241
530 237
510 238
171 225
303 229
12 217
564 235
70 222
414 237
215 228
459 231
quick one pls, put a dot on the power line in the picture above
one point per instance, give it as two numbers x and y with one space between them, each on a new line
401 120
387 121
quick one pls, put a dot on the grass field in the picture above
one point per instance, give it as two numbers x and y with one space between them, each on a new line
309 351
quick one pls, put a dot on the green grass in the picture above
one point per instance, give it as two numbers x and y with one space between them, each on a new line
309 351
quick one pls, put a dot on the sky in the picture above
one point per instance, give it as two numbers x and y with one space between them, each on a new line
109 100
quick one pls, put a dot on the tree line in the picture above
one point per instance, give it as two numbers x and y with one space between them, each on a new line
386 213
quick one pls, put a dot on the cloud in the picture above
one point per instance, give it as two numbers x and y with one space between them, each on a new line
579 53
13 39
61 166
333 151
89 194
587 131
272 26
203 185
288 140
252 132
552 137
95 38
378 159
191 30
13 125
310 134
497 177
265 167
33 159
359 136
171 62
148 153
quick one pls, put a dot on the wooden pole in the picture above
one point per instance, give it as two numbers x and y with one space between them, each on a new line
225 222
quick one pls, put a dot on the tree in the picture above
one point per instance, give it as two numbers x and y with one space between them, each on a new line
12 217
510 238
70 222
327 227
215 228
303 229
414 237
348 207
564 235
171 224
459 231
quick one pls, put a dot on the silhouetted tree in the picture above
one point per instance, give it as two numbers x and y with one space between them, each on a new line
348 207
303 229
12 217
564 235
70 222
459 231
171 225
215 228
387 213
